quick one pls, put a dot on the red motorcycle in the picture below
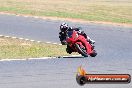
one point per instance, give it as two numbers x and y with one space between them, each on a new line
79 44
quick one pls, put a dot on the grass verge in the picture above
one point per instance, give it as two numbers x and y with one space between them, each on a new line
119 11
15 48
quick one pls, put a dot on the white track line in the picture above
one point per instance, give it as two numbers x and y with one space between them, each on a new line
48 42
21 38
14 37
42 58
7 36
28 39
39 41
55 43
1 35
32 40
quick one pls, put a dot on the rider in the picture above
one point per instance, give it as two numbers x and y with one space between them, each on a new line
62 35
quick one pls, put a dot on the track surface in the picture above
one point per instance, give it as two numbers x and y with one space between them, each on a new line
113 43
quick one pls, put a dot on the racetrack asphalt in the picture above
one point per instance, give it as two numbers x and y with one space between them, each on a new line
113 44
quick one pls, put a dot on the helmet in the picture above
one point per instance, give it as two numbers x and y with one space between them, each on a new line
64 27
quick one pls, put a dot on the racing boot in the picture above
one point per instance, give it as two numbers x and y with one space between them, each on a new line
68 50
90 40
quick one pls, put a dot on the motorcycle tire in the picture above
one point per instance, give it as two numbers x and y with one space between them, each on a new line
93 54
81 51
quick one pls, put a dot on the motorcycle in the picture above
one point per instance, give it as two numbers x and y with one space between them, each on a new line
79 44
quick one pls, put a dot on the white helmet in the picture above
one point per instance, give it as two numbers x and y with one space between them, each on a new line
64 27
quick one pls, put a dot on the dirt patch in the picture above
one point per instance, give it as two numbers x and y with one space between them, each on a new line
25 44
4 41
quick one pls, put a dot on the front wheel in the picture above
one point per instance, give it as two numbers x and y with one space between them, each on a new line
93 54
81 50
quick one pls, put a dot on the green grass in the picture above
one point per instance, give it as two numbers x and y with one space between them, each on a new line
15 48
119 11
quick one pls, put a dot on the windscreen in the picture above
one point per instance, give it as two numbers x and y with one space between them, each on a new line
69 34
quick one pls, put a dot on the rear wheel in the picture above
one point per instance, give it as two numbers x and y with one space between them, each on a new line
81 50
